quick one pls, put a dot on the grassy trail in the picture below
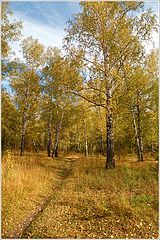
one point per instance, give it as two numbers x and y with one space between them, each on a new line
89 202
64 171
85 210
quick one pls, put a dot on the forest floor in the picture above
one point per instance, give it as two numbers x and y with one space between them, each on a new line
76 197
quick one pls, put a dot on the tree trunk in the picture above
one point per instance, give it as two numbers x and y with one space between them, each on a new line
58 129
110 163
86 148
3 142
55 149
85 140
137 130
49 140
93 149
101 133
34 146
78 147
23 134
136 135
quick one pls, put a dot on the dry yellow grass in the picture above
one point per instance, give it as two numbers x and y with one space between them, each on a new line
92 202
25 182
99 203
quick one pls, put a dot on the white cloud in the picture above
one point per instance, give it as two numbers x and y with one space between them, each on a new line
53 36
49 13
152 44
47 35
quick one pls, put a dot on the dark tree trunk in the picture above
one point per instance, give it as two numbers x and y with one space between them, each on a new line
139 130
22 143
35 147
49 140
92 149
3 142
110 163
23 134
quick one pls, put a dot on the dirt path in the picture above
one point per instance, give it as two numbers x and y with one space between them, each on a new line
64 171
85 205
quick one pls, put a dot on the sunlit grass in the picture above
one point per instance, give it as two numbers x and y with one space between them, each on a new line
129 193
92 202
25 182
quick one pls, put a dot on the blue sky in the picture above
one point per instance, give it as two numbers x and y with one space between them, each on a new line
52 13
47 20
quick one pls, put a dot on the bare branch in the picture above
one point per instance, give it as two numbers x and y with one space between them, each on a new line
87 99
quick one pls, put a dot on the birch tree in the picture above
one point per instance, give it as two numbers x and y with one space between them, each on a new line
25 85
109 34
56 75
138 102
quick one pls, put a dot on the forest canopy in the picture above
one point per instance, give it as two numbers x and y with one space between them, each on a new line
99 95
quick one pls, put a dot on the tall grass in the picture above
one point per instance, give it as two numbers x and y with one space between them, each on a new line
92 203
25 182
99 203
128 193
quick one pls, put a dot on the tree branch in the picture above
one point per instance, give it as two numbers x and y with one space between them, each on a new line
87 99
